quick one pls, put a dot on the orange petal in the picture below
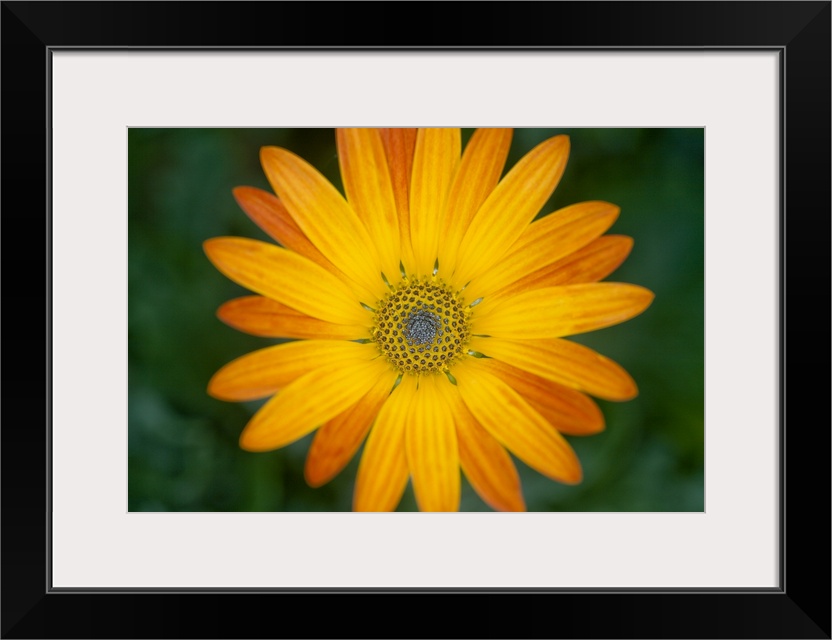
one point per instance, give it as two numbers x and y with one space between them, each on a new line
434 163
567 363
569 411
324 216
369 190
484 461
592 263
383 472
479 171
263 372
510 208
336 442
311 400
545 241
268 318
287 277
268 213
431 448
553 312
400 145
518 427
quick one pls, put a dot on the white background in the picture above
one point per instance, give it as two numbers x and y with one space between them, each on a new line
98 543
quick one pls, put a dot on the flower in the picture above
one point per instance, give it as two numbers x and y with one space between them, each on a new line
429 309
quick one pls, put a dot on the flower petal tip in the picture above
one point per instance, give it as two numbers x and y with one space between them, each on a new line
626 391
640 298
252 444
217 388
222 313
212 246
574 476
610 208
251 200
646 295
514 505
593 430
267 151
560 144
209 389
313 479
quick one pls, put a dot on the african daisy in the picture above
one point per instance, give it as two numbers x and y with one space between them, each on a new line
428 309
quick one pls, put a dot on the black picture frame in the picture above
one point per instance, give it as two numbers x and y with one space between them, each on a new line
799 608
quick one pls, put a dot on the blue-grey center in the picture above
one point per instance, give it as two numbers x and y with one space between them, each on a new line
422 327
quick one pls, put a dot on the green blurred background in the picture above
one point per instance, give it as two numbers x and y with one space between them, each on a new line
183 453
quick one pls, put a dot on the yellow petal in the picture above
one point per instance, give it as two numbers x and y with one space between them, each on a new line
268 318
479 171
564 362
553 312
518 427
324 216
336 442
569 411
263 372
369 189
430 444
434 163
545 241
383 472
268 213
400 144
311 400
484 461
287 277
592 263
510 208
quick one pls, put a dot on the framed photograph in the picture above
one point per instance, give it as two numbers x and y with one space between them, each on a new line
240 356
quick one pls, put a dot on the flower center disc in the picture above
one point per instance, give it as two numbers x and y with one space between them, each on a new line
421 326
